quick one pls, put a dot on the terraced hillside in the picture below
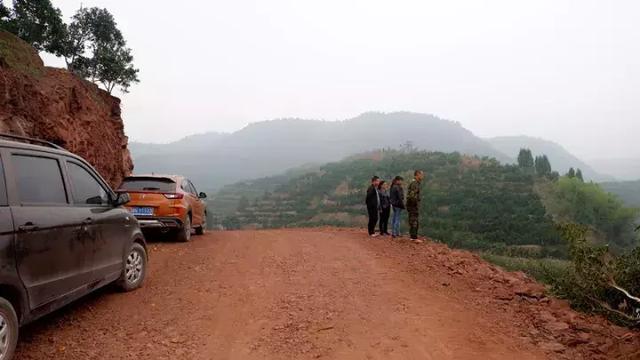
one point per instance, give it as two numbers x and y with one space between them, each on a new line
468 202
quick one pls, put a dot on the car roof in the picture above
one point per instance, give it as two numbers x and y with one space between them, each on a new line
32 147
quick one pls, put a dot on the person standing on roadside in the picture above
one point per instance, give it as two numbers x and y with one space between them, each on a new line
385 207
413 204
396 197
373 205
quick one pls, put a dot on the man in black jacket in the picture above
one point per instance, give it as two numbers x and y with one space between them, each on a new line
397 203
373 205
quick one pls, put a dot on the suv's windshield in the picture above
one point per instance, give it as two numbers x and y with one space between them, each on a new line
148 184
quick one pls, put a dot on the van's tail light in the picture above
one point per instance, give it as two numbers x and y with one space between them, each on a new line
173 195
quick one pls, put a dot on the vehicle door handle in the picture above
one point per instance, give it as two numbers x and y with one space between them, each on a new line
28 226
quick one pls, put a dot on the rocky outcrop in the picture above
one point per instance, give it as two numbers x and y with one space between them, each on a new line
55 105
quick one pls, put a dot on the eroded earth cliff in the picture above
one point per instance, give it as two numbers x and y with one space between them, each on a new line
55 105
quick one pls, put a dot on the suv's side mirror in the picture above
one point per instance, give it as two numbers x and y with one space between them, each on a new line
202 195
121 199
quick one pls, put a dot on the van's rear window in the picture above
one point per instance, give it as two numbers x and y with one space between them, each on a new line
148 184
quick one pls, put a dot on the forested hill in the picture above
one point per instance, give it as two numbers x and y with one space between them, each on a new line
628 191
468 202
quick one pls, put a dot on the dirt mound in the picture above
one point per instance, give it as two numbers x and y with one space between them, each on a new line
54 105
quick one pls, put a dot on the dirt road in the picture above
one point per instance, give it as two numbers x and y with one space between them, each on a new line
306 294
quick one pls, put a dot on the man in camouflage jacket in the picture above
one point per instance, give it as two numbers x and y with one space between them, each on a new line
413 204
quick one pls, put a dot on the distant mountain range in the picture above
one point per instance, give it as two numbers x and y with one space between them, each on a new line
621 169
270 147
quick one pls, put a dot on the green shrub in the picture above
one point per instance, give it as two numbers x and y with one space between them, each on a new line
597 280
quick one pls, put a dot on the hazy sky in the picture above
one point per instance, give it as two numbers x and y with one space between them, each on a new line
568 71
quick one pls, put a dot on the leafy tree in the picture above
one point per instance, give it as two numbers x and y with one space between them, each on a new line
92 45
572 173
115 67
89 28
96 50
37 22
78 34
525 159
579 175
5 16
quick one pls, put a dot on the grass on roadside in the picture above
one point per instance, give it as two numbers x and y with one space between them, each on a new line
544 270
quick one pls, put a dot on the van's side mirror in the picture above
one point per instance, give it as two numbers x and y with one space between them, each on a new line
121 199
202 195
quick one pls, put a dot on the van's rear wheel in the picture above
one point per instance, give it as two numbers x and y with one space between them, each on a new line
184 234
8 329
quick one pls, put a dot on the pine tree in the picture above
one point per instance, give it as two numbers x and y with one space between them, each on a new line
548 168
525 159
539 166
543 167
571 174
579 175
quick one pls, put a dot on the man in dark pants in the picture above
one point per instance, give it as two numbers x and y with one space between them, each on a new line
413 205
373 205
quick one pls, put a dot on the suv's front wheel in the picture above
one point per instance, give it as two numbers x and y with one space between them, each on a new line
135 268
8 329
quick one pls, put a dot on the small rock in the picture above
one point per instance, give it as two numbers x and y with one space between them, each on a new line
557 326
504 296
552 346
627 336
576 341
530 290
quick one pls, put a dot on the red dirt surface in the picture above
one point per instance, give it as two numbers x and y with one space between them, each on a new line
323 293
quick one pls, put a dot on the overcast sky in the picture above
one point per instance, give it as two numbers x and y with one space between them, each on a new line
568 71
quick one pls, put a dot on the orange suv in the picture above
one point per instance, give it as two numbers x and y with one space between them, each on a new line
169 203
